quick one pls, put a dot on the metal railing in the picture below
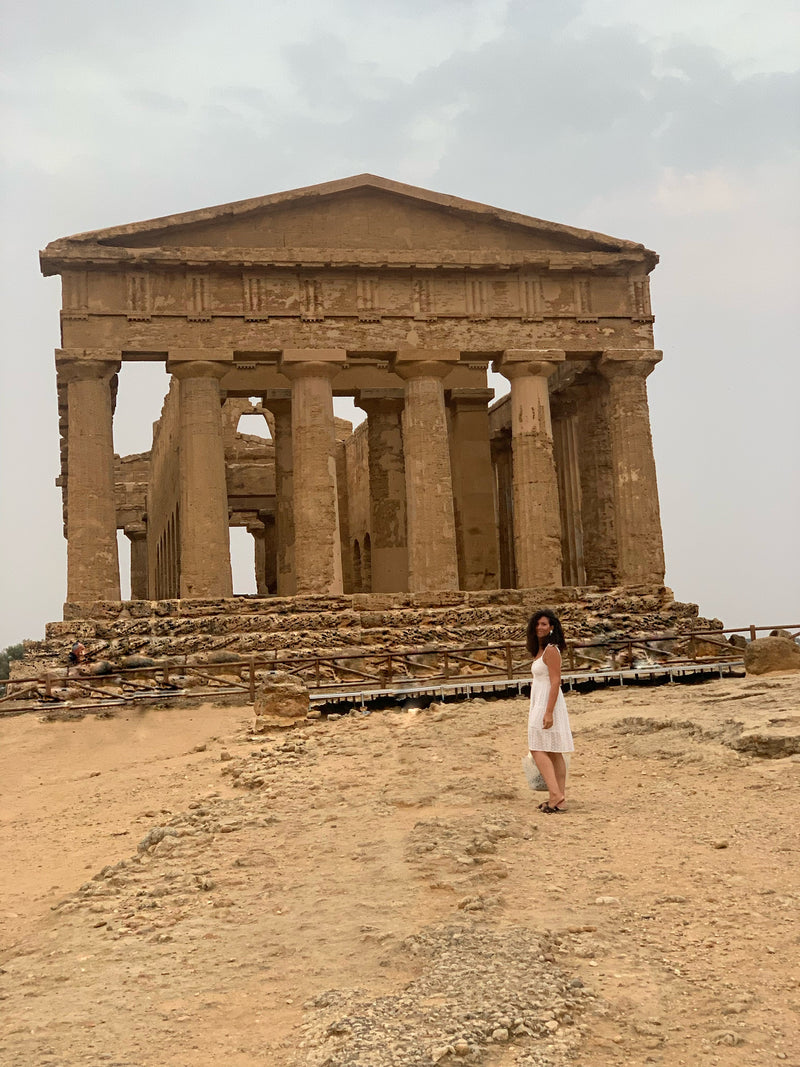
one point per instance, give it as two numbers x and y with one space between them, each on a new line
361 672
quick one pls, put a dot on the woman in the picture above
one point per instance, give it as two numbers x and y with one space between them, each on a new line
549 735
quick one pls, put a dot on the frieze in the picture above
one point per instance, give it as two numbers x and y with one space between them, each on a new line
426 296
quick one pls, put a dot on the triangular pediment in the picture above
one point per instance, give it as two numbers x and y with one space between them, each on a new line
362 212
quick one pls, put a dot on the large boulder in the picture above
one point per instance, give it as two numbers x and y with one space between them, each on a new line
281 700
767 654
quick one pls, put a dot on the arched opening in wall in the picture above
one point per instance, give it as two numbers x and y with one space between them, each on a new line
367 582
243 561
357 583
254 425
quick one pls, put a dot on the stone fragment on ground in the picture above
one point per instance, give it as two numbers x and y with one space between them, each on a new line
281 700
767 654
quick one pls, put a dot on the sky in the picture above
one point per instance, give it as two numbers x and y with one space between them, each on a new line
674 125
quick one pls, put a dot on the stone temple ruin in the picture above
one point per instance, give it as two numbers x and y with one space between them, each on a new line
443 499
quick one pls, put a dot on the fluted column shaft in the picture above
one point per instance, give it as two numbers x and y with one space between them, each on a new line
317 548
473 489
205 559
566 460
597 482
504 488
638 518
281 408
432 555
537 523
92 559
387 493
136 532
258 533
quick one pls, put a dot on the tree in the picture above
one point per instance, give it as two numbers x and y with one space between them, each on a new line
8 655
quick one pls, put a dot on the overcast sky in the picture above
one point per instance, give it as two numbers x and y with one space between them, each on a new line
671 124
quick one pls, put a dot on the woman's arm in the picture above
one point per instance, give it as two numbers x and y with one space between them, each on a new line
552 658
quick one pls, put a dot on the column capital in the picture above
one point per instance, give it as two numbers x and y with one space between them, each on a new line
277 401
197 368
312 362
411 363
83 369
633 362
518 362
310 369
462 398
564 404
378 400
135 531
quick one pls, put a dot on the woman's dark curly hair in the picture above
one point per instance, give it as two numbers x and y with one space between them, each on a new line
555 637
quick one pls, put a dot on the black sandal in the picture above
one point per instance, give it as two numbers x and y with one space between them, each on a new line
547 810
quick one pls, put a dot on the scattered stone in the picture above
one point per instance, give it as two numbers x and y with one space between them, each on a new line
281 700
767 654
726 1037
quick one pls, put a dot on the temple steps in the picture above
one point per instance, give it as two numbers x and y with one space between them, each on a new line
352 623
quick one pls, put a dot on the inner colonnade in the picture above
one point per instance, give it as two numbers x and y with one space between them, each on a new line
403 300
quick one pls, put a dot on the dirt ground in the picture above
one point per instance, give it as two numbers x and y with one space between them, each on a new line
381 890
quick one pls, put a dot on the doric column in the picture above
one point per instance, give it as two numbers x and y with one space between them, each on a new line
136 532
270 552
473 491
92 560
504 490
342 496
317 549
205 558
597 481
432 555
279 403
258 533
563 410
638 519
537 526
387 488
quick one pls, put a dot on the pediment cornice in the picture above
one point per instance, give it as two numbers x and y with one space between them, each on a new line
64 255
482 235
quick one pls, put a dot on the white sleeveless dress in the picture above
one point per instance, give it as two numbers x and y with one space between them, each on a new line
559 737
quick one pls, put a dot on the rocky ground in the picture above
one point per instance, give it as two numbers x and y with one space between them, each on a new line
381 890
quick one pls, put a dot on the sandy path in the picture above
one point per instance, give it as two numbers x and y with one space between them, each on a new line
400 855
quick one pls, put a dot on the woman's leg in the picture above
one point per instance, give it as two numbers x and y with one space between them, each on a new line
544 762
560 767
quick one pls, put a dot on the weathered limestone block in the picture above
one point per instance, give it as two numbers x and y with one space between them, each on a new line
772 654
281 700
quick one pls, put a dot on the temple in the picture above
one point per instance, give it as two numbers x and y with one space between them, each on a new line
402 299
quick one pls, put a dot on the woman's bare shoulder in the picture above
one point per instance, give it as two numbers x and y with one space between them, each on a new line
552 654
